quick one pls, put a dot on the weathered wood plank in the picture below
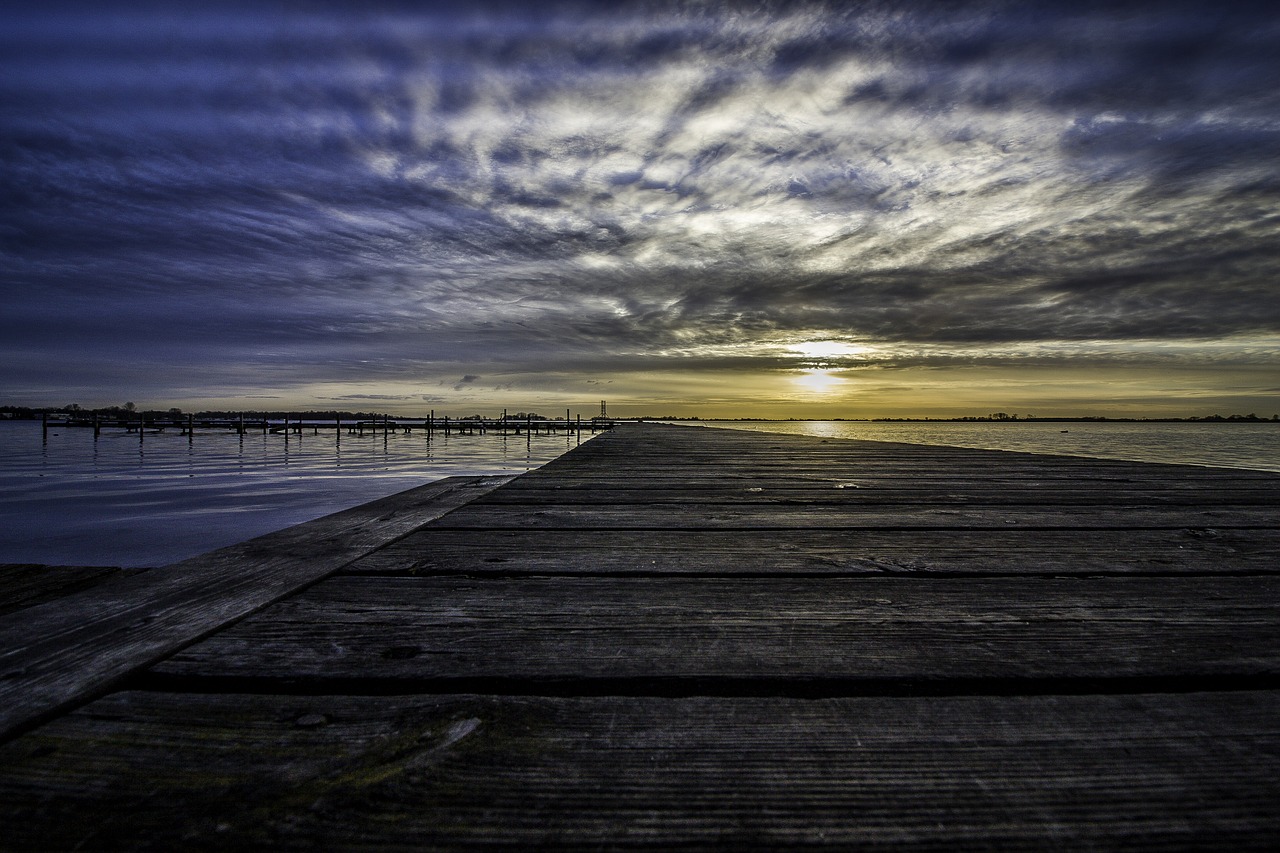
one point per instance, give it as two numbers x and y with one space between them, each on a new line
847 494
58 653
801 516
927 461
165 771
26 585
1010 551
853 629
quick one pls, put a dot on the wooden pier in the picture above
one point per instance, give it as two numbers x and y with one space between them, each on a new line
679 637
188 425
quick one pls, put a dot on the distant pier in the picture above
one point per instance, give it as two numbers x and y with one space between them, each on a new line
189 424
672 637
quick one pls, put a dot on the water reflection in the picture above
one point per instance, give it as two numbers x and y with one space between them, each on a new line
129 500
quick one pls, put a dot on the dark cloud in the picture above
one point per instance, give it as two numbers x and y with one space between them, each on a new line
300 196
377 397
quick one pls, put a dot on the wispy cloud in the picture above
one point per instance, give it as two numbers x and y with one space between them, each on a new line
406 194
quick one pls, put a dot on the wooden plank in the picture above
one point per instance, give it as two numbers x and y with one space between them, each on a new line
162 771
673 631
856 495
817 517
26 584
58 653
748 552
992 463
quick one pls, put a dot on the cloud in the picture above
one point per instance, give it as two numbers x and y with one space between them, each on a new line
322 195
380 397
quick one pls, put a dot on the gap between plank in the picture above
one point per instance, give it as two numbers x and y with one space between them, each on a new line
682 688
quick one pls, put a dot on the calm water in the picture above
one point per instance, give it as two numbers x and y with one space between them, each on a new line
1228 445
123 502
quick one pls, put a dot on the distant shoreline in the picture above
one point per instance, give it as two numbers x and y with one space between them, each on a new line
24 414
1212 419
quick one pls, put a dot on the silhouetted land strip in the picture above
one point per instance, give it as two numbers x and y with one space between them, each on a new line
143 423
675 636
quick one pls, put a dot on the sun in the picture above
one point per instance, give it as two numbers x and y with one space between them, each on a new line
818 381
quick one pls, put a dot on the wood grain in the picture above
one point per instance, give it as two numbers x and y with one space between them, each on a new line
165 771
697 630
788 552
925 515
26 584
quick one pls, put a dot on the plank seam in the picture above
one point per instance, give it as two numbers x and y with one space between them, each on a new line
713 687
854 572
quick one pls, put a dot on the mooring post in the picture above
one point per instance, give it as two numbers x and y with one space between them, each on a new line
191 428
44 426
97 428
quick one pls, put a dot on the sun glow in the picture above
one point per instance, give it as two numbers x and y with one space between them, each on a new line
826 349
818 381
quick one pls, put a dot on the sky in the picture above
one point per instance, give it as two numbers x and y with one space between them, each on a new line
775 210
